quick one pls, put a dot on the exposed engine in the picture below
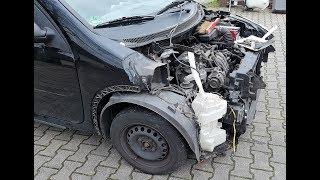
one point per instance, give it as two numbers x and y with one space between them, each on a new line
226 69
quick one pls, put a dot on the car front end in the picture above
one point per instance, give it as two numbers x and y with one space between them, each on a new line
225 67
152 50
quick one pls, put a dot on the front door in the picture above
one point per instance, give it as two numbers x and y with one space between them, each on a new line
56 87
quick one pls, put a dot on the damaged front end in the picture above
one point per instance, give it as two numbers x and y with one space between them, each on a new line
226 68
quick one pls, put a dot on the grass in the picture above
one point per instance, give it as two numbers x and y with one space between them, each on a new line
213 3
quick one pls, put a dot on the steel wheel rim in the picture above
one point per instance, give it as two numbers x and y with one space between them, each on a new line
146 143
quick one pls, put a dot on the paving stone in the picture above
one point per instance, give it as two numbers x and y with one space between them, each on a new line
278 154
103 173
261 106
278 138
52 128
45 173
283 98
282 83
273 94
52 148
260 129
261 161
279 171
67 170
262 96
284 106
160 177
184 171
227 159
261 144
221 171
271 65
38 161
103 149
243 149
204 166
36 124
274 103
113 160
35 138
46 138
283 90
261 175
84 133
271 78
76 176
280 67
276 125
200 175
271 71
139 175
93 140
237 178
74 143
81 154
57 161
274 113
247 135
242 167
283 113
175 178
39 131
66 135
37 148
272 85
123 172
89 166
281 75
260 117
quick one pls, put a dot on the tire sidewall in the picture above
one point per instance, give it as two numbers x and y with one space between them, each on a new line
177 149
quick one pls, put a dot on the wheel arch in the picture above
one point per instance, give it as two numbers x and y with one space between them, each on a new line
102 97
185 126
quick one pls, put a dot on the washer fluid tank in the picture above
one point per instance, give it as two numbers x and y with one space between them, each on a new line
209 108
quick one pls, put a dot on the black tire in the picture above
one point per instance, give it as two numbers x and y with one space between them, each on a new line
137 118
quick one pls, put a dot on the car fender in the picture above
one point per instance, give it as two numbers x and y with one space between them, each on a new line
171 106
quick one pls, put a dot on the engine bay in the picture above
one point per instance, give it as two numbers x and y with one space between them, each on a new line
225 68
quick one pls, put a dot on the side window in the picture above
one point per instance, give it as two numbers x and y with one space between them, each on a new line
42 19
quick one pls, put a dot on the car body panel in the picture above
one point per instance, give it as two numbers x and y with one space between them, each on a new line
56 86
167 104
105 67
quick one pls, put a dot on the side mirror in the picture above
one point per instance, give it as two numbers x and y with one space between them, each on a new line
42 35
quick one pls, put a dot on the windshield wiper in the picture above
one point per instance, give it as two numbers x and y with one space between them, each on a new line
171 5
124 20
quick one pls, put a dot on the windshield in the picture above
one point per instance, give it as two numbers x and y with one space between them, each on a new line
99 11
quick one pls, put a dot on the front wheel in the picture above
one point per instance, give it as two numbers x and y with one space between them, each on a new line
147 141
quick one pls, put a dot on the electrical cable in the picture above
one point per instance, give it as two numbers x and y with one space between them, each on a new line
234 129
171 35
184 63
174 29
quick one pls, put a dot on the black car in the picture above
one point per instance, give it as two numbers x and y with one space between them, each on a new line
119 69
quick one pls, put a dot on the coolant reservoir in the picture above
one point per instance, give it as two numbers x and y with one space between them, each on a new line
208 108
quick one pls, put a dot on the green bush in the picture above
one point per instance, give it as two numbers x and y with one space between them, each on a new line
214 3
